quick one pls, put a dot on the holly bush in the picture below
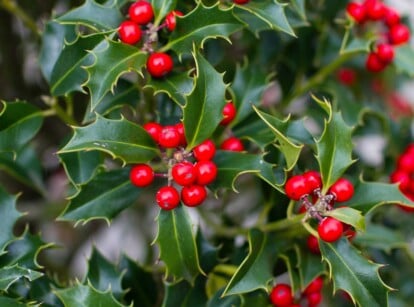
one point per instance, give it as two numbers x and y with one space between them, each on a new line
265 146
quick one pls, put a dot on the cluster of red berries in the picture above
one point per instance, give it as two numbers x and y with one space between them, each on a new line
395 34
404 174
309 184
138 26
281 294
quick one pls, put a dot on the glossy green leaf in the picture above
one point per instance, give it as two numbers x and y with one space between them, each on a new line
185 295
162 8
310 267
86 295
201 24
111 60
11 274
208 254
271 15
349 216
290 150
101 17
354 274
299 7
103 275
334 149
204 105
178 249
256 298
106 195
68 74
19 123
403 60
9 215
11 302
290 257
232 164
121 139
217 300
369 195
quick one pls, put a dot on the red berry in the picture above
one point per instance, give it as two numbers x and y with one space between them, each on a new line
159 64
313 180
342 189
313 245
385 52
348 231
314 299
296 187
170 20
232 144
141 12
374 63
229 113
281 295
346 76
154 130
402 178
206 172
375 9
241 1
184 173
180 129
405 163
399 34
169 137
193 195
141 175
204 151
167 198
356 11
129 32
330 229
391 17
315 286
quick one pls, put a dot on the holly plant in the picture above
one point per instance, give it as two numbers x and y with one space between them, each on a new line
254 153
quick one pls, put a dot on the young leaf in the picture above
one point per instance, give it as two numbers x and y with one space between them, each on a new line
94 15
112 59
354 274
201 24
177 245
86 295
232 164
11 274
349 216
120 138
290 150
103 197
204 105
9 215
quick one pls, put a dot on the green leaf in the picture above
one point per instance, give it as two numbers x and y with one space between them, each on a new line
68 74
354 274
299 7
177 245
349 216
121 139
11 302
203 109
9 216
290 150
334 149
228 301
208 254
19 123
106 195
103 275
201 24
369 195
270 14
231 164
256 298
94 15
112 59
184 295
403 60
86 296
290 257
162 8
310 267
11 274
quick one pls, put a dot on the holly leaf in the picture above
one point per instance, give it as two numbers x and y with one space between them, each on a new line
290 257
231 164
349 216
203 109
121 139
334 149
184 294
11 274
178 249
289 149
264 15
19 123
11 302
403 60
370 195
354 274
86 295
100 17
68 74
112 59
199 25
162 8
103 197
310 267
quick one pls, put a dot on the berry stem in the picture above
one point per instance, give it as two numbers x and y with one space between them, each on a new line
56 109
284 224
